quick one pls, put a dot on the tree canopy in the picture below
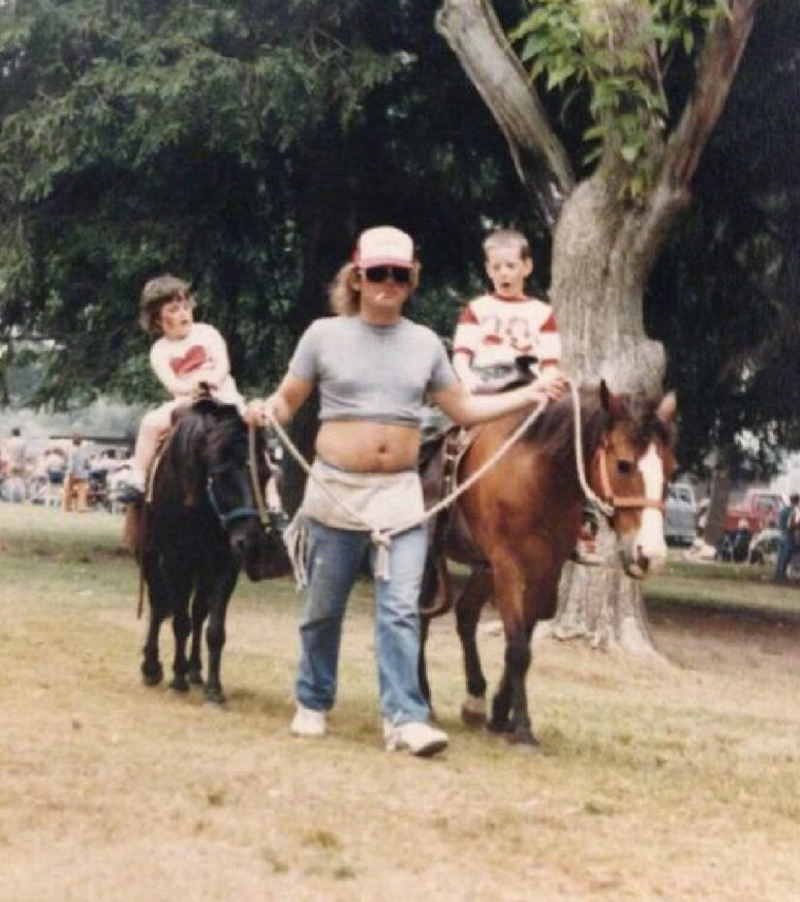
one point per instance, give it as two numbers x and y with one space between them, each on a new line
242 145
723 297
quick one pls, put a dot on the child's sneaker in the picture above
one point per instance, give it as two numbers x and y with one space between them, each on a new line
418 738
307 722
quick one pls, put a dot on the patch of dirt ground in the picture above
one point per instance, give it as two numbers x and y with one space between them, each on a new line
676 782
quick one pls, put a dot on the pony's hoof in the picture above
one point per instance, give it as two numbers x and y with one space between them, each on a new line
152 675
499 727
215 698
195 678
179 684
473 712
524 742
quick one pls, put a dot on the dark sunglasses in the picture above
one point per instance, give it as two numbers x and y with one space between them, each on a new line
378 274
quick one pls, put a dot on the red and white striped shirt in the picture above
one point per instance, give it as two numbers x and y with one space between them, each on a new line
494 331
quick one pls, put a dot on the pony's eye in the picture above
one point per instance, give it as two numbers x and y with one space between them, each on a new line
625 467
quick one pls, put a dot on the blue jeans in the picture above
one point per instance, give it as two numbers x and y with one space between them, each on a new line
785 552
334 561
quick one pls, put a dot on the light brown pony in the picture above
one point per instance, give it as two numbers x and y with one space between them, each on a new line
523 518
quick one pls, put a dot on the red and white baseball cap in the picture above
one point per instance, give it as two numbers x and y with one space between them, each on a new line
384 246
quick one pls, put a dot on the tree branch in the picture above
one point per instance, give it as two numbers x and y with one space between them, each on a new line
717 65
474 34
716 68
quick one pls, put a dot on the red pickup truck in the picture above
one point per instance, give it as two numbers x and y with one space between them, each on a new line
760 508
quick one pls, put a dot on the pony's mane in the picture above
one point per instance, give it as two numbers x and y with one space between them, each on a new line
208 426
554 430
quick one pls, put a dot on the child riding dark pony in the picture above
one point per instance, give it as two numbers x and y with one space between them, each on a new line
201 523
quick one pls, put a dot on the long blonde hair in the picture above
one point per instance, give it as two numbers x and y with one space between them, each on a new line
344 293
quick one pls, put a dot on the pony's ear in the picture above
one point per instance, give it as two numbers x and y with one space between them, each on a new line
605 396
667 408
613 405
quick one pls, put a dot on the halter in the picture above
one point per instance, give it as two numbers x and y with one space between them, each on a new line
227 517
612 502
608 505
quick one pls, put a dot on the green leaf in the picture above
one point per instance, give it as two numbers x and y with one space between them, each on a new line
534 44
555 77
596 131
630 152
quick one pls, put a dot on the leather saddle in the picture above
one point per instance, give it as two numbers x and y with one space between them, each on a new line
448 533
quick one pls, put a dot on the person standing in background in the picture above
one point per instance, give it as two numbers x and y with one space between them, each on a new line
76 483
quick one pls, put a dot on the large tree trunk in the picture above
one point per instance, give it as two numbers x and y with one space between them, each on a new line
719 495
596 290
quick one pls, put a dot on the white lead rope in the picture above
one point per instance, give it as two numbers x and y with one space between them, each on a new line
603 506
382 538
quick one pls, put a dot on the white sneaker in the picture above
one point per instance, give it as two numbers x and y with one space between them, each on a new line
418 738
307 722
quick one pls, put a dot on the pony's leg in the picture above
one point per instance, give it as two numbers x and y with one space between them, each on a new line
422 667
500 721
181 628
218 596
152 671
199 614
511 698
468 612
510 703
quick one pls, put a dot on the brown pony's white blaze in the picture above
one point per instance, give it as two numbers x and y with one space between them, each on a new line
650 549
630 471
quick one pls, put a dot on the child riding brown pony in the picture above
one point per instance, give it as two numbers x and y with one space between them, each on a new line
517 525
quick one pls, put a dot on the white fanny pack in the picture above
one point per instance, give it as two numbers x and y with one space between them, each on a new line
362 501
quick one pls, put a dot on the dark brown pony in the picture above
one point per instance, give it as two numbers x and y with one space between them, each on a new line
202 525
517 525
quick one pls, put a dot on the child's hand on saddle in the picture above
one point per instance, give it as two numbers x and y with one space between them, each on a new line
201 390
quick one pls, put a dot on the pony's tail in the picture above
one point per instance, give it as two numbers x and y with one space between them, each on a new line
132 530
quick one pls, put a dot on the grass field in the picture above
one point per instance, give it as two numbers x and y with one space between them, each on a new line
678 781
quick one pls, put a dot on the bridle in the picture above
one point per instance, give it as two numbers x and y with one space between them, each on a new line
607 503
611 502
227 517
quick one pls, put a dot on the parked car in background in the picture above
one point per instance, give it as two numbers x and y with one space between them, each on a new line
760 508
680 514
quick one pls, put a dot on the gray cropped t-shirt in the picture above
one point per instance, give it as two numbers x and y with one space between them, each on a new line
368 372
